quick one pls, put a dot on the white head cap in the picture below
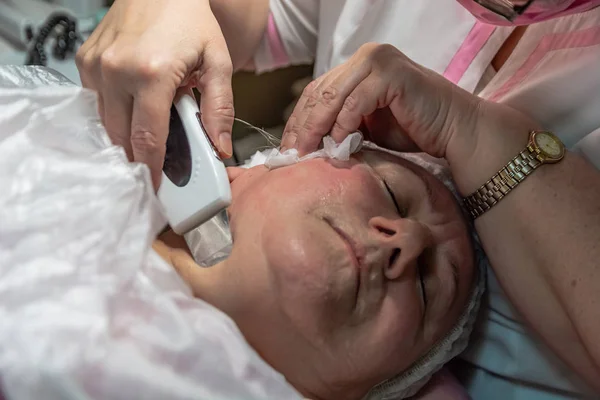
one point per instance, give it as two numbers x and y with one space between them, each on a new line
409 382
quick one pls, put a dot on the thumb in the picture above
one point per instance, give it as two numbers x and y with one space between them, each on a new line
216 105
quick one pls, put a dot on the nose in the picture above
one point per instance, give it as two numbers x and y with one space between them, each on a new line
403 240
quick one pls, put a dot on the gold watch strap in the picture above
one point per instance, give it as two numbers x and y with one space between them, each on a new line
502 183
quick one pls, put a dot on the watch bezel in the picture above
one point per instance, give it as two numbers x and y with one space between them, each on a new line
543 155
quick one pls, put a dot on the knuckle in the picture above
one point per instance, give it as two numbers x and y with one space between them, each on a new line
110 62
339 126
367 48
222 67
385 49
351 104
225 108
219 103
152 69
85 61
309 88
380 52
144 142
80 58
312 99
143 66
329 95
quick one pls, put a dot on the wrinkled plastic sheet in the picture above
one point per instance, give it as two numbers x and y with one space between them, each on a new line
87 309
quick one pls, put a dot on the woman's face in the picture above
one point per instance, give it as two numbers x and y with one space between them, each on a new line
343 273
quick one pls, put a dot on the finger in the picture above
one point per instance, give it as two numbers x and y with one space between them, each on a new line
88 69
330 97
88 57
312 93
362 101
116 117
297 119
87 83
150 128
290 132
85 61
216 104
100 101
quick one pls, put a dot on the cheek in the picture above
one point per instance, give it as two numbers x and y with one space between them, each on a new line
302 257
400 313
312 275
391 340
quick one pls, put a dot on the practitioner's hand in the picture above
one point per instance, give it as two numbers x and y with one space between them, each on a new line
399 104
403 106
138 57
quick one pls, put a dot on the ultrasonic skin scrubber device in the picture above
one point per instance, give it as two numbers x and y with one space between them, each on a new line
194 186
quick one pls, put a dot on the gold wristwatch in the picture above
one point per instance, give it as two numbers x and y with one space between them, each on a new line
543 148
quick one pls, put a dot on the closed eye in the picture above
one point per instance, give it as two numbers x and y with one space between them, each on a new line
401 212
420 267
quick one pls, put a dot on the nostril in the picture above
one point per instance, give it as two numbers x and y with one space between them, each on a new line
394 256
386 231
384 226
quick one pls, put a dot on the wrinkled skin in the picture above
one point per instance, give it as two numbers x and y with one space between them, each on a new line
402 105
324 279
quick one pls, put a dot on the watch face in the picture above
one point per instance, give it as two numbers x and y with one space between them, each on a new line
549 144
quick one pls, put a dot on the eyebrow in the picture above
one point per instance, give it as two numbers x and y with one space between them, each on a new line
391 193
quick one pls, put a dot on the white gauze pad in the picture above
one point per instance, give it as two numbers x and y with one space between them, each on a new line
273 158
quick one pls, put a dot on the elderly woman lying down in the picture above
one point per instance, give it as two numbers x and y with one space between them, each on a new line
344 274
351 278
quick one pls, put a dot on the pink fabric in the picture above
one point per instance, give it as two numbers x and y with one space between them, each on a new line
442 386
472 45
280 57
559 41
539 11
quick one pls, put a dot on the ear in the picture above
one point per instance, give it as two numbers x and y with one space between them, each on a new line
235 172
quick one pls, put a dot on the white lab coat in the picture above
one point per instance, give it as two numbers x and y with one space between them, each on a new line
553 75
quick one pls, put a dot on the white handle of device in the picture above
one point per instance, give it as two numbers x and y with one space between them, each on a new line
203 190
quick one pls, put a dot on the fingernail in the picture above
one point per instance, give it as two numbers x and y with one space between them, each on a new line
225 143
